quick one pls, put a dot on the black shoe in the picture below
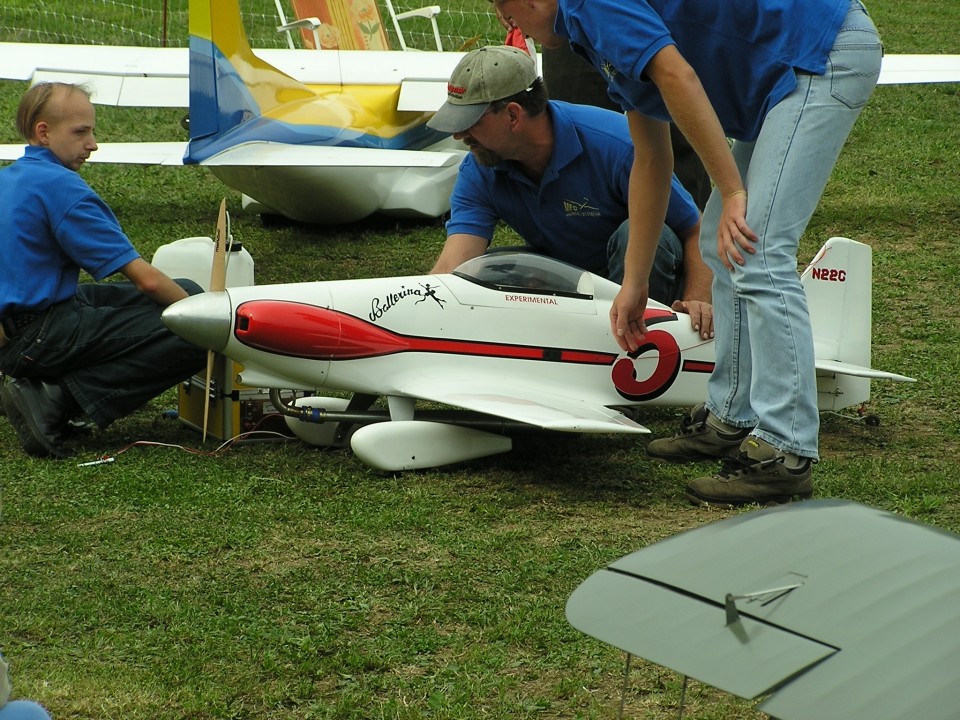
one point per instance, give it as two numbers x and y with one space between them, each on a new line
37 411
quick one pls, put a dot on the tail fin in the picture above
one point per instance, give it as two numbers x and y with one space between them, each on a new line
839 283
228 83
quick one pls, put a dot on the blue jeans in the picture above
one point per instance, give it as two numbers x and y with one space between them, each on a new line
666 275
108 347
765 375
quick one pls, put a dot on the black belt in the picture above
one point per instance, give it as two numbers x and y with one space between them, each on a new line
13 325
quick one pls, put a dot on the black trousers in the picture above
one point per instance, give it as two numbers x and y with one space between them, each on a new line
107 346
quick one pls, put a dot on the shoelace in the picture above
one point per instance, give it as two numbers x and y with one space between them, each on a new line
743 463
689 425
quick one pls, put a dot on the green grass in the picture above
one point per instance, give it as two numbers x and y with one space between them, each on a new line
282 581
155 23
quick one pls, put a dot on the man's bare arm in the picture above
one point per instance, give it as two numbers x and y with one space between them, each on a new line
152 282
459 248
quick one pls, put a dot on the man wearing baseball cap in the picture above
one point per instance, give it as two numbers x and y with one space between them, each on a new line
558 174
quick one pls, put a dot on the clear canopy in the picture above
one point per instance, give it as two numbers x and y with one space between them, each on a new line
525 272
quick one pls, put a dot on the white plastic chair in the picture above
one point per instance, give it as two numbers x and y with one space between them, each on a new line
430 12
312 24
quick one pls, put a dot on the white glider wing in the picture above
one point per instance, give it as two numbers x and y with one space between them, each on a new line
136 153
128 76
117 75
263 154
158 77
526 404
912 69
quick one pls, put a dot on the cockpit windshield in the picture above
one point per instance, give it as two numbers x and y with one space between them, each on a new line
524 272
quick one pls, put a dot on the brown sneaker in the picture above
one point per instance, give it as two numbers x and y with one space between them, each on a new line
756 475
697 440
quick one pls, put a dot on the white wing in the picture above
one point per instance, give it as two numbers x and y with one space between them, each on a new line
262 154
526 404
146 153
116 75
159 77
907 69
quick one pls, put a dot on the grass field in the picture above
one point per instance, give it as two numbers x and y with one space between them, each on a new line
280 581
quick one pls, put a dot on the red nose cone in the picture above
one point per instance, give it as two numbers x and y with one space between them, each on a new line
311 332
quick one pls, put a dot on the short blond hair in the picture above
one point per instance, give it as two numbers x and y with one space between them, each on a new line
35 105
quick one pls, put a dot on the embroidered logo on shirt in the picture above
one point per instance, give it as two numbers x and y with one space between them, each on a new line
608 70
575 208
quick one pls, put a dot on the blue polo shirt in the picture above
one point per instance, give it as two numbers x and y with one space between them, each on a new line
581 199
745 53
53 225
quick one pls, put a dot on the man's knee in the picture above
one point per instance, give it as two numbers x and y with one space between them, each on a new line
191 287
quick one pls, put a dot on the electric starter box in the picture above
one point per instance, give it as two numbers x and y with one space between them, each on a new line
234 408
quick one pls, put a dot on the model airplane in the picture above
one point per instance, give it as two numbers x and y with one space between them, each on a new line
346 140
518 339
830 609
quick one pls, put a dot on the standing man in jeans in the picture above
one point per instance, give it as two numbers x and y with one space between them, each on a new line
786 79
98 349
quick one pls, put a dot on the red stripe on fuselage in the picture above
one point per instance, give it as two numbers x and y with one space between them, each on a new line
317 333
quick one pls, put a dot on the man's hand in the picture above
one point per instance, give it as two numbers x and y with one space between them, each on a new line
626 317
701 315
733 234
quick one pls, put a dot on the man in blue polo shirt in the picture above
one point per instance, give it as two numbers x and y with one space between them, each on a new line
98 349
558 174
786 80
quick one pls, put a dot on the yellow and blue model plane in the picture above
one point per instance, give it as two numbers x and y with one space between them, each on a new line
328 136
346 140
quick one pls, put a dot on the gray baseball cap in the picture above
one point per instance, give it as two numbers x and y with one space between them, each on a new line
481 77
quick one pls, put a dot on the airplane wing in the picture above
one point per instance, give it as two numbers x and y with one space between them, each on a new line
157 77
525 404
262 154
845 368
830 608
117 75
910 69
131 76
145 153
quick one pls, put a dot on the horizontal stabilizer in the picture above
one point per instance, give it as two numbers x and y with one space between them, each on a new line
842 368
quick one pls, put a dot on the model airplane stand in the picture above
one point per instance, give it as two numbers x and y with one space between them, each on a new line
827 609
